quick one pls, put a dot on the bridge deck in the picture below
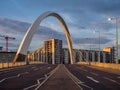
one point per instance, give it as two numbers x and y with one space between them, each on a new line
60 81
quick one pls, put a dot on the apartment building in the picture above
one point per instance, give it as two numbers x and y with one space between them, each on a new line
51 52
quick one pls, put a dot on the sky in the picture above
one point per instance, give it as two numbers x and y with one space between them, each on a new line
82 17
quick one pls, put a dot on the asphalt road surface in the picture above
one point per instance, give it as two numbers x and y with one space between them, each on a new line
93 79
58 77
24 76
60 80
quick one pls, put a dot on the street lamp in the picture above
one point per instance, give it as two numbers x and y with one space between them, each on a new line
116 18
90 49
98 45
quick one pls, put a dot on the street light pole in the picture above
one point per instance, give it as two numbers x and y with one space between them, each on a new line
116 40
98 46
90 50
116 37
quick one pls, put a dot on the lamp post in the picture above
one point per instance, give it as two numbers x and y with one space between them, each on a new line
90 50
116 18
98 45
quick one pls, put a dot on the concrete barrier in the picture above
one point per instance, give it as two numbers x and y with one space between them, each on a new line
35 62
10 64
104 65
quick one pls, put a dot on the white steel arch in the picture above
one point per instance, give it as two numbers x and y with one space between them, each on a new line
33 28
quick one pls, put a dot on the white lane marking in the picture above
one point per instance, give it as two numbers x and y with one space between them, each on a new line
91 78
38 82
8 78
22 74
94 73
118 77
31 86
45 78
35 69
40 68
86 86
48 67
81 69
18 75
77 81
111 80
2 80
84 70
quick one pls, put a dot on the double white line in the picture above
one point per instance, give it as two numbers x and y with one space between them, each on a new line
18 75
77 81
45 78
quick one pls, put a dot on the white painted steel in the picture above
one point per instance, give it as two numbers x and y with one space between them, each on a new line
23 48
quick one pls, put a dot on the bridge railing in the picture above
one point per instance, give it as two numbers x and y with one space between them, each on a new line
10 64
105 65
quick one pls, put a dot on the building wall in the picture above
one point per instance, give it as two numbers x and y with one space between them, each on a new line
1 48
57 50
53 53
66 56
50 53
7 56
86 55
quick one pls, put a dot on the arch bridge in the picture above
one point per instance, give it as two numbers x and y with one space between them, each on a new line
23 48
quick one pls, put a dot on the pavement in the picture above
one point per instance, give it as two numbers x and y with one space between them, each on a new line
93 78
24 77
105 69
60 81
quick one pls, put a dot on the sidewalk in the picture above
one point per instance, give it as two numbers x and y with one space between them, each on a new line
59 81
106 69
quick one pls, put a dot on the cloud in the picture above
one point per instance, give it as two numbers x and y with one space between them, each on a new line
81 17
44 33
17 29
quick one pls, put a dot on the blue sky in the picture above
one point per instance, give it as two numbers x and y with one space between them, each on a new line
81 16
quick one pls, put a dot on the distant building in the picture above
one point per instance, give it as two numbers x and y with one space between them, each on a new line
89 55
7 56
109 54
1 48
53 53
50 53
66 56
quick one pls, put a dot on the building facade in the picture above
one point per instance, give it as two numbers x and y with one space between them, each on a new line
50 53
7 56
65 56
109 54
53 53
89 55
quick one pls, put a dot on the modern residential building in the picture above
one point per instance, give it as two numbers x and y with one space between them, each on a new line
50 53
7 56
53 53
1 48
89 55
65 56
109 54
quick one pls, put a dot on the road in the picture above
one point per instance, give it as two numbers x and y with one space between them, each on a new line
24 76
60 80
58 77
95 79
